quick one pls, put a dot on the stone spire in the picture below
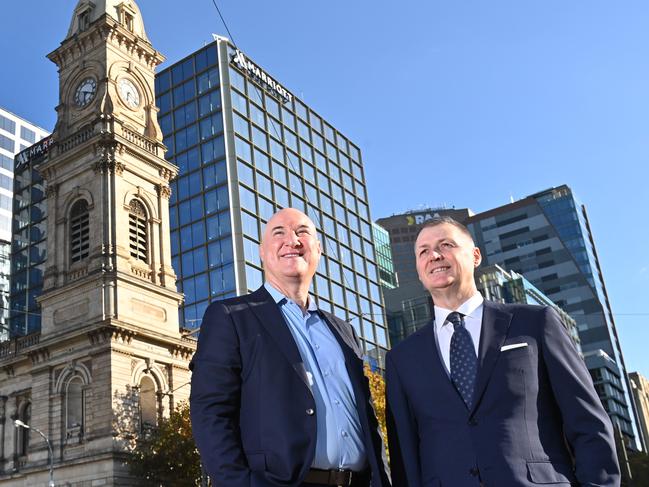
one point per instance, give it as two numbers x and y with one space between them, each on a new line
125 12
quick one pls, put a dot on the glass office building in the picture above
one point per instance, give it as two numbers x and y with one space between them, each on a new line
497 284
387 275
16 135
547 238
29 245
247 147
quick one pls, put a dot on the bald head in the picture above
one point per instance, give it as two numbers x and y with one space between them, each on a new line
290 250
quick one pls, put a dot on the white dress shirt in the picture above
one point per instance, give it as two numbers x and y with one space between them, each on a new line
472 311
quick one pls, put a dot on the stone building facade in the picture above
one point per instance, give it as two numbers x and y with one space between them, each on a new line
109 358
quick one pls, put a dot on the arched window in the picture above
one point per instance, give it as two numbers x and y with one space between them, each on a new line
148 403
79 231
74 407
137 230
22 443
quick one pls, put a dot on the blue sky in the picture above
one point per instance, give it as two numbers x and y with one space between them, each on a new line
463 103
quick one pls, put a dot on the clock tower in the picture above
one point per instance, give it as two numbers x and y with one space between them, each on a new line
109 361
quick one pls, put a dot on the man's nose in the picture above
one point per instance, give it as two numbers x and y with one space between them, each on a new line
436 255
293 240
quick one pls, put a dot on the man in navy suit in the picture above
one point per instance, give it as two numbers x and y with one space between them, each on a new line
489 394
278 393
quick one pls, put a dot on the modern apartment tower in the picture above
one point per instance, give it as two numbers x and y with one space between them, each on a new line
16 134
547 238
246 146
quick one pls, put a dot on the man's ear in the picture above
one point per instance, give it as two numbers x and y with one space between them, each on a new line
261 251
477 257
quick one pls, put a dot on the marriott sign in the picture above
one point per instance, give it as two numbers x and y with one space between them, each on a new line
246 65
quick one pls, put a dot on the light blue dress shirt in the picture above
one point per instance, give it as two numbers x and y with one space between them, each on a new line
339 436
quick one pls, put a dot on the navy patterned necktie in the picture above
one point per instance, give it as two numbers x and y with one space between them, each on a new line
464 363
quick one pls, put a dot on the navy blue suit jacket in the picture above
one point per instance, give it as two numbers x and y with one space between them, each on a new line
536 418
252 408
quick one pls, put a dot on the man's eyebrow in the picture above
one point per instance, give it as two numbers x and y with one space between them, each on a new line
277 227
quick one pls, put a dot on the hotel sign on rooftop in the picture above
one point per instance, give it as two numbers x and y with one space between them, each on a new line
260 76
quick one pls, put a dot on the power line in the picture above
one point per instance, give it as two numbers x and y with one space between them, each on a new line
224 23
327 240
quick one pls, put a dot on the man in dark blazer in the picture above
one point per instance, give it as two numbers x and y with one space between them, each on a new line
489 394
278 393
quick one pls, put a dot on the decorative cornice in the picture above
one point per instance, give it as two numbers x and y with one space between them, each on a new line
166 174
39 355
181 352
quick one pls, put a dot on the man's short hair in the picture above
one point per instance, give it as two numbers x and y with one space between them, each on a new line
438 220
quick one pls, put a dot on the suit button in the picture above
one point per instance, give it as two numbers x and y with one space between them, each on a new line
473 422
310 412
474 471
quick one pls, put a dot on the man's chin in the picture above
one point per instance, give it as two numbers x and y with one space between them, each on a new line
439 287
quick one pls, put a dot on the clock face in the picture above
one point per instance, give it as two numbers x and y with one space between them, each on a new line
128 92
85 92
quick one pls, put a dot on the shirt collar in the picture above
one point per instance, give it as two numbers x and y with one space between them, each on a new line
278 297
468 308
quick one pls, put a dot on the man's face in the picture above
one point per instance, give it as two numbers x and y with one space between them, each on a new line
290 249
446 259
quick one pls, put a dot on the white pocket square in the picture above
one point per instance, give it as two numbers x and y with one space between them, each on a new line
512 346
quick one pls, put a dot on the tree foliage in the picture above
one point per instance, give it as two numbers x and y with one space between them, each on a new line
377 389
166 455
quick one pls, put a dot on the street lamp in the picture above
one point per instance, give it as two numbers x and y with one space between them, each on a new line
19 423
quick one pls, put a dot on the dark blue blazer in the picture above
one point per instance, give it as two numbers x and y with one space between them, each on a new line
252 410
536 420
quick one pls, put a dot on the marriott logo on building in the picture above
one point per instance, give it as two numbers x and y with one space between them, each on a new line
246 65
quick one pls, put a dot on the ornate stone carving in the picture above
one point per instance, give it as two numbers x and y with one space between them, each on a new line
52 190
109 167
164 191
106 163
9 370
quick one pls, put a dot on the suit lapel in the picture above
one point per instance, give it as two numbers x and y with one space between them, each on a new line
495 324
432 356
269 315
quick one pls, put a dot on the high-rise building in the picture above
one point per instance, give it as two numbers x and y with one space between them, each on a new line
15 135
640 388
547 238
29 245
107 360
245 147
387 275
496 284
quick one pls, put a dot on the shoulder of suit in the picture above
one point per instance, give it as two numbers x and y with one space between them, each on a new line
235 302
515 307
412 341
